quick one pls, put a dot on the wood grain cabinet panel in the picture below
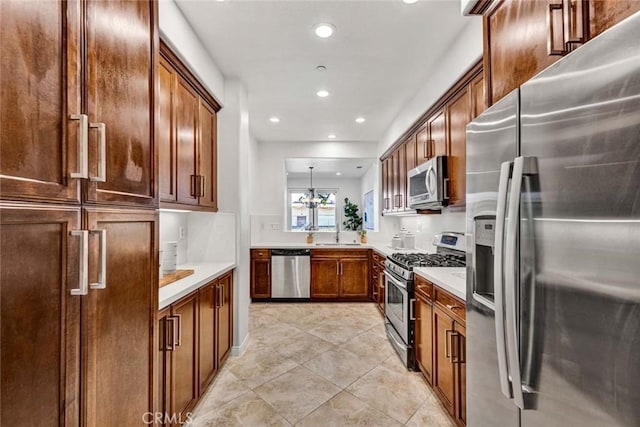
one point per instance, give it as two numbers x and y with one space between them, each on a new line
604 14
460 361
39 318
458 116
443 374
184 364
260 273
325 279
438 134
166 135
424 335
117 326
207 157
40 78
423 150
207 363
224 317
120 74
354 281
187 129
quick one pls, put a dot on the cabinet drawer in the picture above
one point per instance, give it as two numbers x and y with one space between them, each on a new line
377 258
260 253
423 286
452 304
340 253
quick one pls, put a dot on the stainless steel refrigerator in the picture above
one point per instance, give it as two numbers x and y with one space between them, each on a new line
553 244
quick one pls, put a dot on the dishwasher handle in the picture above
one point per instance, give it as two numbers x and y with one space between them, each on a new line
290 252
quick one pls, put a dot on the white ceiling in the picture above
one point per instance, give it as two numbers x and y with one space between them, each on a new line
327 168
381 53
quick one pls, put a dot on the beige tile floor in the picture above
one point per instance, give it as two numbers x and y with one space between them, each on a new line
318 365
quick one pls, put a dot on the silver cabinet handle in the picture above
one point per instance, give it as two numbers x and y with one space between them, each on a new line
102 254
498 272
178 317
447 349
202 185
102 152
170 347
412 302
83 146
337 268
83 288
521 166
221 296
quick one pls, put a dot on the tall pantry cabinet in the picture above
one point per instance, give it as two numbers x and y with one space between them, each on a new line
79 232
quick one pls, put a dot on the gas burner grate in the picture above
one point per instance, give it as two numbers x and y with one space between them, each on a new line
409 261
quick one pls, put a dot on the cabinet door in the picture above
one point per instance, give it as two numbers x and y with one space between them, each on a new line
424 335
516 44
119 320
395 167
478 98
39 318
225 317
40 80
411 153
163 360
438 134
260 278
459 115
207 143
120 70
401 183
187 128
443 377
325 281
165 135
386 189
206 334
422 145
381 290
604 14
460 342
354 274
184 366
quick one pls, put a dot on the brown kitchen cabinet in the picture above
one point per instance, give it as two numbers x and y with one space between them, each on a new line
424 327
387 186
195 339
59 134
522 38
458 116
124 302
260 273
443 373
187 137
340 274
77 163
377 287
459 344
40 319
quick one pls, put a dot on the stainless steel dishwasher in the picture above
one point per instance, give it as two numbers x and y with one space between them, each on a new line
291 273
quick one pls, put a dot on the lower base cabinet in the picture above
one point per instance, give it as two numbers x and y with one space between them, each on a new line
195 339
340 275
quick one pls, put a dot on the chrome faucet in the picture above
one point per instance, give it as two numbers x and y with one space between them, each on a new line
337 235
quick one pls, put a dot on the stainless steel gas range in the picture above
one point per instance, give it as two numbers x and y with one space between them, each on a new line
399 295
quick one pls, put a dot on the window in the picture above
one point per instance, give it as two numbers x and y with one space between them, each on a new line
302 218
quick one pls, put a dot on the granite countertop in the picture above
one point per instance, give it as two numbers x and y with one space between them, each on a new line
383 248
204 273
451 279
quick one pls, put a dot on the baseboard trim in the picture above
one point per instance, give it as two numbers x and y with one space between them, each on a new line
237 350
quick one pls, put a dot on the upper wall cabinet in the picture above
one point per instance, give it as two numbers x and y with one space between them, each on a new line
441 131
76 104
187 138
521 38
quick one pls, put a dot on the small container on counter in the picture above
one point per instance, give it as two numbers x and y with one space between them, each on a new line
408 241
396 242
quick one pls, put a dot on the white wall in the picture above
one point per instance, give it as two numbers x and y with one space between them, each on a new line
465 51
178 34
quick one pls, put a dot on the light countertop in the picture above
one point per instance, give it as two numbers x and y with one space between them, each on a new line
382 248
204 273
451 279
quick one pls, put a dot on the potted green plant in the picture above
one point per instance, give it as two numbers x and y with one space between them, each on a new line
353 220
310 237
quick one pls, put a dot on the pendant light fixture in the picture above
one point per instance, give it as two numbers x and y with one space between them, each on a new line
311 201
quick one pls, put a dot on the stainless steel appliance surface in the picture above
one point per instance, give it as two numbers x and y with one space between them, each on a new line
291 273
399 289
553 225
427 184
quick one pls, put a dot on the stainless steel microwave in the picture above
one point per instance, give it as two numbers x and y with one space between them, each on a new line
428 184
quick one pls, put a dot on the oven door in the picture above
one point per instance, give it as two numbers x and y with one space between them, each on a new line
396 307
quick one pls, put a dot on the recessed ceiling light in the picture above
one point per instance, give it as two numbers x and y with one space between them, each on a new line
358 167
331 136
321 68
410 1
360 120
338 173
324 30
274 119
220 0
322 93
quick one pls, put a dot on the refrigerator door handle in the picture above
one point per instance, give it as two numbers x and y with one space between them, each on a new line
521 166
498 285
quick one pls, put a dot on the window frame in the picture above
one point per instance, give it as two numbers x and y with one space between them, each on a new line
338 205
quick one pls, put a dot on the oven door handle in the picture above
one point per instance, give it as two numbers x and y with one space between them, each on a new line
395 281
